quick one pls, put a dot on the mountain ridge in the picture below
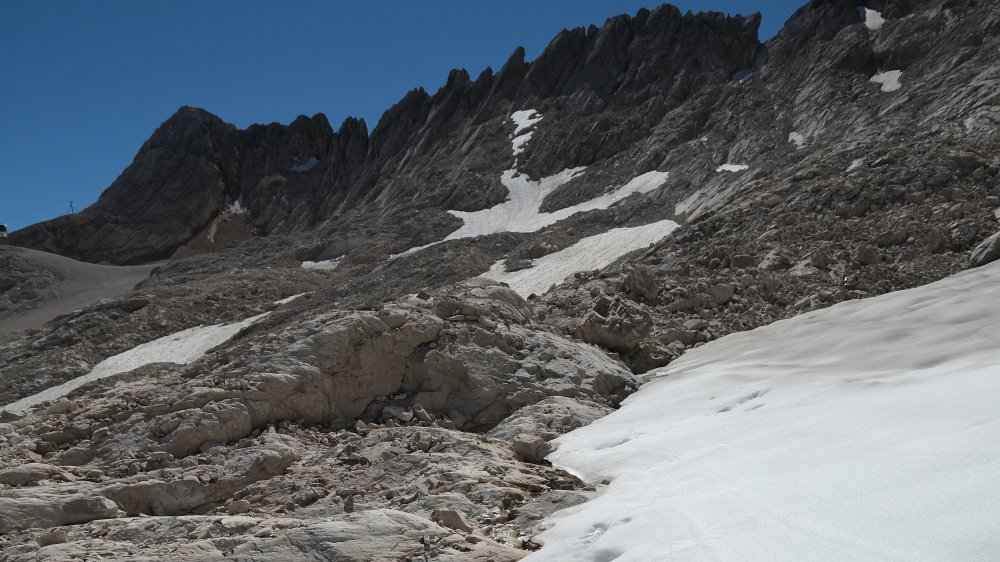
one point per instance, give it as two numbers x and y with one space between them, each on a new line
218 161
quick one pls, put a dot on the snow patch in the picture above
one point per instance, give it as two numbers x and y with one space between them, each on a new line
182 348
797 138
589 253
520 212
855 164
873 18
732 168
287 300
524 119
236 208
521 141
889 80
328 265
305 166
865 431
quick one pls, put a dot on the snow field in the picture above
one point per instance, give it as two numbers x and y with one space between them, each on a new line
865 431
587 254
182 348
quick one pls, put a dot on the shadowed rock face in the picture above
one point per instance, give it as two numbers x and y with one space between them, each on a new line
182 177
428 151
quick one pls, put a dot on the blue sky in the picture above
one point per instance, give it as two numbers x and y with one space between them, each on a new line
85 83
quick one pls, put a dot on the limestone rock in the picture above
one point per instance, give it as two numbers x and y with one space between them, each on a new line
987 251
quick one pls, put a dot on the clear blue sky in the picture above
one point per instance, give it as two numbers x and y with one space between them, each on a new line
85 83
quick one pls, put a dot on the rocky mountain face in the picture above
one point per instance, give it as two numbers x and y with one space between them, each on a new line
605 86
390 327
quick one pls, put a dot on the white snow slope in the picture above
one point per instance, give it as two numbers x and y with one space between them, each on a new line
866 431
182 347
588 253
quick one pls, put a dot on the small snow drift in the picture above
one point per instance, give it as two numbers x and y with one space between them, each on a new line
589 253
182 348
732 168
287 300
326 265
797 138
889 80
524 119
521 141
856 432
873 18
235 208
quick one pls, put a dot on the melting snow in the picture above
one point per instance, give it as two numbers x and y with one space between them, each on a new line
587 254
865 431
236 208
287 300
182 348
797 138
305 166
525 119
732 168
328 265
520 212
521 141
889 80
873 19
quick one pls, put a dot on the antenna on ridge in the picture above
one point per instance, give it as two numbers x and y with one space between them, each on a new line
72 208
